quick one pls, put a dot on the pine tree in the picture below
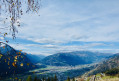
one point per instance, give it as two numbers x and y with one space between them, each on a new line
39 80
68 79
20 80
55 78
29 78
35 79
43 79
48 79
73 79
52 78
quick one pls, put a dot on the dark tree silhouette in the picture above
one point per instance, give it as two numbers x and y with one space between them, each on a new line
55 78
29 78
35 79
68 79
73 79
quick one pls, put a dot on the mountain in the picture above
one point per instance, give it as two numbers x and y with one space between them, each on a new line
35 58
74 58
13 61
110 63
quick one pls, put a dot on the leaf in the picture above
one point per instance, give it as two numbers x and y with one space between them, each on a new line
8 63
1 56
21 64
5 34
19 52
10 78
5 60
15 60
8 58
14 64
13 4
16 78
21 56
33 65
28 64
33 72
15 57
7 41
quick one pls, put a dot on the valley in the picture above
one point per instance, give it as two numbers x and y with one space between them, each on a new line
62 72
17 65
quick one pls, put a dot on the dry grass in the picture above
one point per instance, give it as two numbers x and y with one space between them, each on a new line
110 79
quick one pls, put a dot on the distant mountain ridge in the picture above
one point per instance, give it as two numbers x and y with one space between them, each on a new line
35 58
74 58
111 62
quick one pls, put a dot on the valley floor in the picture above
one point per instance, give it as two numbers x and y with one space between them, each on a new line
62 72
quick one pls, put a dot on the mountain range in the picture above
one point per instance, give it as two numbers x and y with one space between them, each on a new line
15 61
74 58
110 63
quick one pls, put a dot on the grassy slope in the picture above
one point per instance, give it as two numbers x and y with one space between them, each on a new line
99 77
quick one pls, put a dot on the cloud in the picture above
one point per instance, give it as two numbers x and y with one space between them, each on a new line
44 40
1 38
63 21
49 49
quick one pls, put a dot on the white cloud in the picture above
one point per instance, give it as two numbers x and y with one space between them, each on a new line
64 21
51 49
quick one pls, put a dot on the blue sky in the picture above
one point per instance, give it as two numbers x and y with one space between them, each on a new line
70 25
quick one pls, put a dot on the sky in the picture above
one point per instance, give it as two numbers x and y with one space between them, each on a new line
70 25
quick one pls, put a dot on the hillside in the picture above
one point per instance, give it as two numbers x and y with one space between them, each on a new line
112 62
35 58
74 58
97 77
13 61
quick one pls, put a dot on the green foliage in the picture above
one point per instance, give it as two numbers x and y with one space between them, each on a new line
29 78
39 80
68 79
43 79
55 78
52 78
88 79
113 71
20 80
73 79
48 79
35 79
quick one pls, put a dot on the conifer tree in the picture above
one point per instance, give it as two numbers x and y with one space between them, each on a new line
68 79
35 79
43 79
73 79
52 78
29 78
48 79
55 78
